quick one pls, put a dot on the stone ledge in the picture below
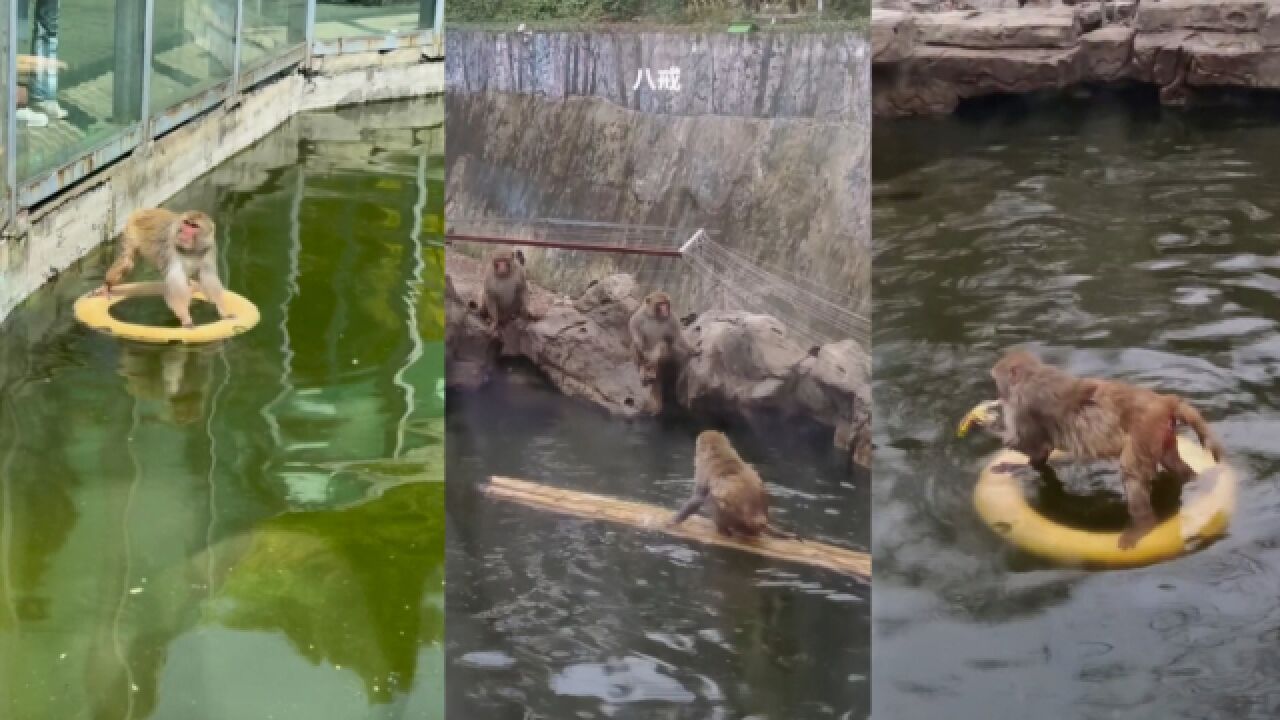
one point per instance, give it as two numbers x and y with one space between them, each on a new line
927 61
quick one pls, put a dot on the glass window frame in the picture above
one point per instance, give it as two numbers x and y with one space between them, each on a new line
18 194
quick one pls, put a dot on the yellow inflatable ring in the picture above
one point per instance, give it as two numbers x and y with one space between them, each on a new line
95 312
1204 515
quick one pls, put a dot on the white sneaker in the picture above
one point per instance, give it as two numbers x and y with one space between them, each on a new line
30 117
52 109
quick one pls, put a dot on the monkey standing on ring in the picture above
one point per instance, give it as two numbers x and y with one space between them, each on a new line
739 502
506 291
656 337
1045 408
182 247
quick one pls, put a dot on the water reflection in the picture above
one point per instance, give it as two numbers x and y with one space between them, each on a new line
1117 241
568 618
254 528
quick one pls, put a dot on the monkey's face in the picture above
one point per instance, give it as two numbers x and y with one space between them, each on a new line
192 229
659 306
502 266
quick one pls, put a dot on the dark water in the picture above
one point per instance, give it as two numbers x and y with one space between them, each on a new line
557 617
253 529
1117 241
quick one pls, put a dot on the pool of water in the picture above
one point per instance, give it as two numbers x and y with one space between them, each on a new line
253 529
1117 240
557 617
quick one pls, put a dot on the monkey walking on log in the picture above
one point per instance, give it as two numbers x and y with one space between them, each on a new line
183 247
1044 408
739 502
657 339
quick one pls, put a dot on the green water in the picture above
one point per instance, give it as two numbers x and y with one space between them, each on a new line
253 529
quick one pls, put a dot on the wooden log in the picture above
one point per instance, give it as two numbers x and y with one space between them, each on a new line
700 529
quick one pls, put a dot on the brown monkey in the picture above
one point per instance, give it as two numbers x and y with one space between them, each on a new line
656 337
739 502
506 291
182 247
1044 408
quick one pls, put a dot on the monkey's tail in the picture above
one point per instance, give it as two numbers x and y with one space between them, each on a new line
1190 416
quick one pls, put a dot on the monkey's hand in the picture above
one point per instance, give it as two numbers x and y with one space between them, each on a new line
102 290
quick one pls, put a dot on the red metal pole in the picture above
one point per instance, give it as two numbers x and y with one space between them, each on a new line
589 247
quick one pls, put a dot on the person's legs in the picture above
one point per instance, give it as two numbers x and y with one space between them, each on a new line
44 41
24 113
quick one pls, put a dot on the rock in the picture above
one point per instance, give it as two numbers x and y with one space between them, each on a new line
466 340
892 34
1106 53
1269 33
957 55
1231 16
978 72
1048 28
747 362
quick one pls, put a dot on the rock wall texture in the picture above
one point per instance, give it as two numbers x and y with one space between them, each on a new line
774 75
790 193
930 54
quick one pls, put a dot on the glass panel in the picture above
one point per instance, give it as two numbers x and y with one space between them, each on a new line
352 18
4 106
194 46
88 86
270 27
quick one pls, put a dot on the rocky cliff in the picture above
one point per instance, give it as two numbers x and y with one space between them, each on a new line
930 54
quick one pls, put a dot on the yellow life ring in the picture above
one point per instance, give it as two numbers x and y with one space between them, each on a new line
95 312
1204 515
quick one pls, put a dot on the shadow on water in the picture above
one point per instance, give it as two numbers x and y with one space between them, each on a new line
582 619
1117 240
253 528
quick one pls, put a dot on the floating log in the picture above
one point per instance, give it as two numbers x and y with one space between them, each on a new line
653 517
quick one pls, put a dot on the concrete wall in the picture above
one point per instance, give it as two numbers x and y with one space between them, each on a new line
811 75
65 229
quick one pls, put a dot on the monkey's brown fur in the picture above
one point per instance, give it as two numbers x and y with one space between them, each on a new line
506 290
1046 408
656 336
739 502
183 247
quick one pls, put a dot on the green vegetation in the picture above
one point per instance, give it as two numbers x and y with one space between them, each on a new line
699 14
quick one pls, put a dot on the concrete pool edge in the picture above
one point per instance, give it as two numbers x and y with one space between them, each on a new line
69 226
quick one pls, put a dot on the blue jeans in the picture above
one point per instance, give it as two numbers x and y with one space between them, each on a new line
44 44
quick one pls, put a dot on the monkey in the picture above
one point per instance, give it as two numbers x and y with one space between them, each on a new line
739 502
656 337
1044 408
183 247
506 290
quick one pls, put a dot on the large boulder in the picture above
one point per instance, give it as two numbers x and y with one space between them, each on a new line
745 363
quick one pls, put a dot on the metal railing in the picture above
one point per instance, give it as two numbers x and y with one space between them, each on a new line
129 112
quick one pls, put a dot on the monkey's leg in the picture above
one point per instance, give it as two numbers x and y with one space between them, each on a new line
173 366
211 285
1174 463
1137 474
700 494
177 295
121 267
